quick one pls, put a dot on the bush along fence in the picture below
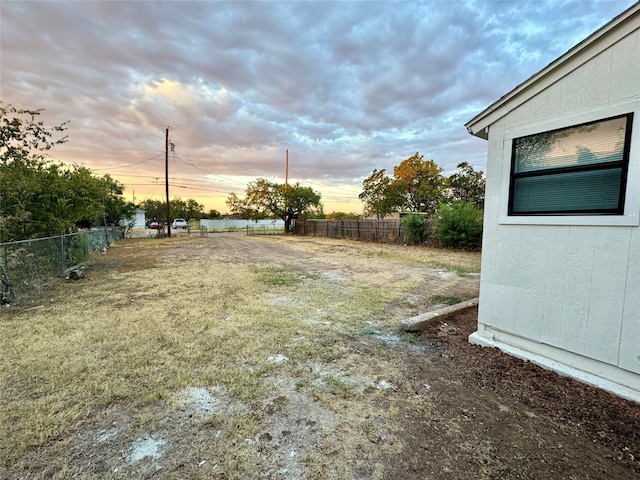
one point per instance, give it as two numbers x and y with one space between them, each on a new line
28 266
379 231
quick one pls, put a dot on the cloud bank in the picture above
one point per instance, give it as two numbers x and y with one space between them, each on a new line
345 87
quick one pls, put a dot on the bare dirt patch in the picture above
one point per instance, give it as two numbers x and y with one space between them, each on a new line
283 358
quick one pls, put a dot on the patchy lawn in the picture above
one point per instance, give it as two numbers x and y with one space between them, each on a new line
282 358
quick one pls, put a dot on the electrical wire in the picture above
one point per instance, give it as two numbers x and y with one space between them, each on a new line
137 163
207 172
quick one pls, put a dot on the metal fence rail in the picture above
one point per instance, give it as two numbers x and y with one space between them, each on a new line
31 265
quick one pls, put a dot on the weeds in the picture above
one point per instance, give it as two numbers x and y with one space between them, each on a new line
409 338
280 277
446 299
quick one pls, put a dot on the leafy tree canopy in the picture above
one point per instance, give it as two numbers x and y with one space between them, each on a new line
41 198
22 137
417 185
265 199
419 182
466 185
379 194
156 210
213 214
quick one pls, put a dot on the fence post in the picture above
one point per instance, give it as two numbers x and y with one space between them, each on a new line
62 256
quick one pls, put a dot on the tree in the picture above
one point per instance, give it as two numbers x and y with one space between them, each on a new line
116 209
420 183
264 199
156 210
416 186
466 185
193 210
213 214
187 209
22 138
379 195
42 198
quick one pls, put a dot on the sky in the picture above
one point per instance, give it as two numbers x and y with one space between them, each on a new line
344 87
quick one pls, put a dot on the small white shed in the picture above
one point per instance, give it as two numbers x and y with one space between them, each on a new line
560 283
139 219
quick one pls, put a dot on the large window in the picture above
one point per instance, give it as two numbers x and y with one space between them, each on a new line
579 170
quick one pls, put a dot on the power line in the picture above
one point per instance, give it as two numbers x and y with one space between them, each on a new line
137 163
190 187
205 171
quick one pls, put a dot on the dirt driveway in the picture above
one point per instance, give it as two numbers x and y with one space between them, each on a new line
283 358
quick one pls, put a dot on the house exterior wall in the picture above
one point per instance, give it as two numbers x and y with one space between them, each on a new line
564 291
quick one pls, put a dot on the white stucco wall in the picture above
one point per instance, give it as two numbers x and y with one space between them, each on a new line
566 290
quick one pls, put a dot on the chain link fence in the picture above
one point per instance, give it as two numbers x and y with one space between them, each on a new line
29 266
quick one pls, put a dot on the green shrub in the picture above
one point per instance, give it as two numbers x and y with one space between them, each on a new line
415 228
460 226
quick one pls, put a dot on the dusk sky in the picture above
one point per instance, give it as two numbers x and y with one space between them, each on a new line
346 87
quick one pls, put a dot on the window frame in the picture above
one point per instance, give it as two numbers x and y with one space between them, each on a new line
622 164
501 139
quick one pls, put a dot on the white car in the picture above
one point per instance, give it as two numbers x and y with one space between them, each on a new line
179 223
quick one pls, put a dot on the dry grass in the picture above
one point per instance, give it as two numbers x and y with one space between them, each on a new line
157 317
455 260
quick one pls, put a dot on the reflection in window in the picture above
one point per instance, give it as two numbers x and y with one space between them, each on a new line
576 170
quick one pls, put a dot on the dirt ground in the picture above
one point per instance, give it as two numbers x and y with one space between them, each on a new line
365 401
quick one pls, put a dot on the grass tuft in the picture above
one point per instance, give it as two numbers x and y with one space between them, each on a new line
409 338
446 299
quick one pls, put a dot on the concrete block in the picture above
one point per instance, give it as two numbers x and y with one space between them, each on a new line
420 322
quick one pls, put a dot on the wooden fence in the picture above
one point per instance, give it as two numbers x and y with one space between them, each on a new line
379 231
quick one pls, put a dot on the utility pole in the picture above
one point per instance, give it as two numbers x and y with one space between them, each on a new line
287 219
286 169
166 176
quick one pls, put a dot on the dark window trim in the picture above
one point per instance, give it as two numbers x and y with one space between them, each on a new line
623 164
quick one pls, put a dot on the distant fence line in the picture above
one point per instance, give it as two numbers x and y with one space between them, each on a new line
369 230
263 230
241 224
31 265
247 230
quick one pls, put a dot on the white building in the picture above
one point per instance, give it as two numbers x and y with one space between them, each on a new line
560 281
138 220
